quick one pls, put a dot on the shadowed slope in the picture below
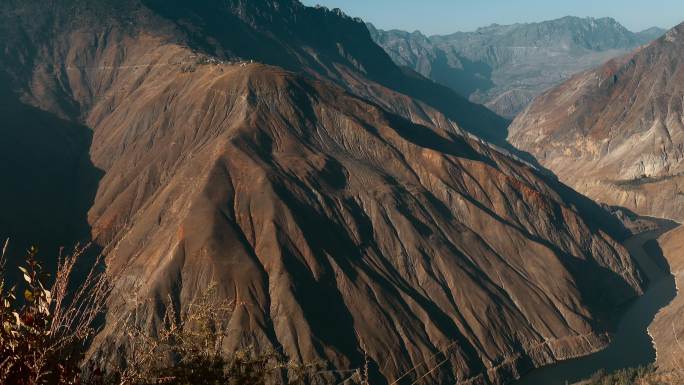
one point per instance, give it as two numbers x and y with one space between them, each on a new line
48 181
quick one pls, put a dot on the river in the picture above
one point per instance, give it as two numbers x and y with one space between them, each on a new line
630 345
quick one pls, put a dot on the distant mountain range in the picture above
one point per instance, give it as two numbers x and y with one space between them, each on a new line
506 66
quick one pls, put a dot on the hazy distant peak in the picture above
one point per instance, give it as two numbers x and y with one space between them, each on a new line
653 30
652 33
505 66
567 21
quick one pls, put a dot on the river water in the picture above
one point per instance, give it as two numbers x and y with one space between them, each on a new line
630 345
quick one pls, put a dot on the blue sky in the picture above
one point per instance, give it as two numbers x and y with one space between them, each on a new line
446 16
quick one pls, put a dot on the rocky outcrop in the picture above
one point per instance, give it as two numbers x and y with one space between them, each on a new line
505 66
616 133
343 208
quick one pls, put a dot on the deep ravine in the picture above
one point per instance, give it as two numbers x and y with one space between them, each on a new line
631 344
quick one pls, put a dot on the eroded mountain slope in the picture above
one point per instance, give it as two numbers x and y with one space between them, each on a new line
292 195
616 133
337 223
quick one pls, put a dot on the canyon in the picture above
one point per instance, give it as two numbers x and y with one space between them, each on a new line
615 134
351 209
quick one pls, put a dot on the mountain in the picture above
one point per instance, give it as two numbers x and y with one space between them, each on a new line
342 203
506 66
651 34
616 132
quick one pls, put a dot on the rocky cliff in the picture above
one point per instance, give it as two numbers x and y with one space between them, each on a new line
340 202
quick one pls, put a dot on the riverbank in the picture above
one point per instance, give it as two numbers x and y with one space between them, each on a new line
667 328
631 345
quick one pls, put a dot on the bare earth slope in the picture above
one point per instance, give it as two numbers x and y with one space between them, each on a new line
362 228
337 214
616 133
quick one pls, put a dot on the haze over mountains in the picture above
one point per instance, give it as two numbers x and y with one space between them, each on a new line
505 66
616 132
343 203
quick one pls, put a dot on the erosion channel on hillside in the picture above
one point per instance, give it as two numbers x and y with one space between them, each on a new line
631 345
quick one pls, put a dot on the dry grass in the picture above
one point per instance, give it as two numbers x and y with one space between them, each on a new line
188 348
45 331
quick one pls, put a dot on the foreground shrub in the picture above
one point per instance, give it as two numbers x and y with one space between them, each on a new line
187 349
45 330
